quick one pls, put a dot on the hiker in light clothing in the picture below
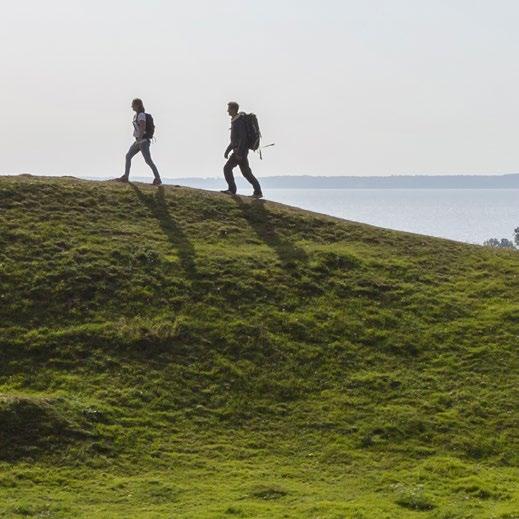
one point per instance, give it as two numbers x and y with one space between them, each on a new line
143 128
240 152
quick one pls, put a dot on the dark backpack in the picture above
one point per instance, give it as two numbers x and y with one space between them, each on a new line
253 132
150 127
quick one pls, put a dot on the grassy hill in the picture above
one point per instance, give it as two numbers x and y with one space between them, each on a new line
179 353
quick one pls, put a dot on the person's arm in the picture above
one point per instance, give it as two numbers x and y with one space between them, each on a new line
228 150
241 144
234 140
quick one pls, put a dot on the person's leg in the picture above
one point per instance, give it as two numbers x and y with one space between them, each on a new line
134 149
145 149
227 171
247 173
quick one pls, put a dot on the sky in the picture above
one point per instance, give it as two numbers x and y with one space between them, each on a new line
342 87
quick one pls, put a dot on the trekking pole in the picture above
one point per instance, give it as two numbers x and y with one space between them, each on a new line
263 147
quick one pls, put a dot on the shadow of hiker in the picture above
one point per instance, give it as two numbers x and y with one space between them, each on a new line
262 223
159 208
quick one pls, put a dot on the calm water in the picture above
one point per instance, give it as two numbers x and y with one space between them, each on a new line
468 215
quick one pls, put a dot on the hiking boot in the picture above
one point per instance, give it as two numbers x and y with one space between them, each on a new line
257 195
227 192
124 179
157 182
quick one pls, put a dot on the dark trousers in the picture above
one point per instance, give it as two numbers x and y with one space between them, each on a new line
245 171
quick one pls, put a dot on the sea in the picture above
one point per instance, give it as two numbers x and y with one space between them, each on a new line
465 215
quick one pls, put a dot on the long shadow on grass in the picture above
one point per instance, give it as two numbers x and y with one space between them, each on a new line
263 224
159 209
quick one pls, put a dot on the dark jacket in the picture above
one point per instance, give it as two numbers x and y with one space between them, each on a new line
239 136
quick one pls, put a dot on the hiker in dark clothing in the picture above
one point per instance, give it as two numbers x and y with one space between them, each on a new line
240 152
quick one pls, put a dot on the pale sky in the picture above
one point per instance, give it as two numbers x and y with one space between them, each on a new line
343 87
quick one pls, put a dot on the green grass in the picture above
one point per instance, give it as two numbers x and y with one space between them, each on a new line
180 353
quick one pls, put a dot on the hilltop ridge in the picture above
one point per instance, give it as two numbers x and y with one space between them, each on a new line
178 352
510 181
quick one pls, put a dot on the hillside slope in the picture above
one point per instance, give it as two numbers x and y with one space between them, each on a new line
179 353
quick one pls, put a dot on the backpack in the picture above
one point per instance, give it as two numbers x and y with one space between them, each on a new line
253 132
150 127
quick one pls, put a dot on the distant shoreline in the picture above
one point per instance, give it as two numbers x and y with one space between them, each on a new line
391 182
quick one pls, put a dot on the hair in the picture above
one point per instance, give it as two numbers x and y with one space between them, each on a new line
139 103
234 104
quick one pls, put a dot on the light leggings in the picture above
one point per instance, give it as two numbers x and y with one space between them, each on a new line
144 147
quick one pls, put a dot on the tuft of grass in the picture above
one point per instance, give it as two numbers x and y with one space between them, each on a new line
415 499
30 425
268 492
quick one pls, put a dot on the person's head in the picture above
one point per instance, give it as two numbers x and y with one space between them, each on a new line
137 105
233 108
